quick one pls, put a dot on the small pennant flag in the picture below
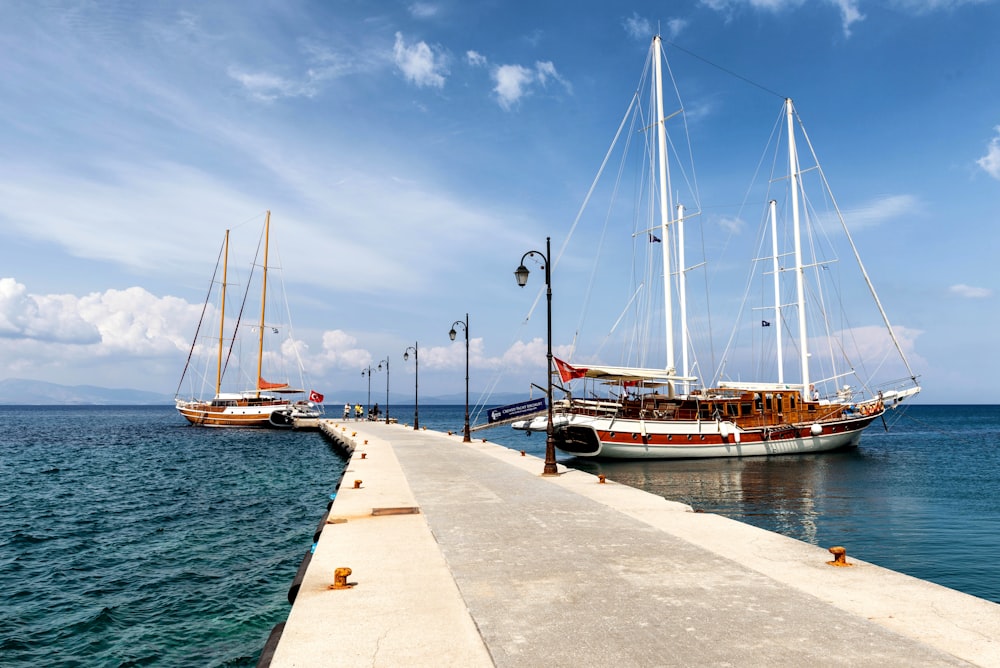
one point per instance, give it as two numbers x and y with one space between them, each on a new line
653 239
765 323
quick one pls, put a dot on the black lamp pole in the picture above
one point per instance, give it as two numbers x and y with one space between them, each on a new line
386 363
466 434
368 372
416 379
521 275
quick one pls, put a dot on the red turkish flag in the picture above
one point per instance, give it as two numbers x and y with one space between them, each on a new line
315 397
567 372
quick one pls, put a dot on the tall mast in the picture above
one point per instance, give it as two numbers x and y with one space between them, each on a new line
793 169
222 315
664 180
775 266
263 301
682 291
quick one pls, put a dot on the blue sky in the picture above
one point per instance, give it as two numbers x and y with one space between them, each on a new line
411 152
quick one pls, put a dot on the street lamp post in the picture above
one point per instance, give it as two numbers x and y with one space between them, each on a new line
521 275
386 363
416 379
466 435
368 372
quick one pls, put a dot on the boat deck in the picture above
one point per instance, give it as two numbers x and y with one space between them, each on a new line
463 555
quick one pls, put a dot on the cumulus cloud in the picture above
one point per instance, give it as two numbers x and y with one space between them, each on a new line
50 318
970 292
990 162
516 81
419 63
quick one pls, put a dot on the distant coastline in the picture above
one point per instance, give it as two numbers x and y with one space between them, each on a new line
24 392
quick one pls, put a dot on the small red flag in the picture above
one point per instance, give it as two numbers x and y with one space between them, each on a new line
315 397
567 372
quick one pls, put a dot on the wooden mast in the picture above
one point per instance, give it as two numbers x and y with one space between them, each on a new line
222 316
263 301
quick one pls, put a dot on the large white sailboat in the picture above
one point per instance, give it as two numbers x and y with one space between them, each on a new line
265 404
638 411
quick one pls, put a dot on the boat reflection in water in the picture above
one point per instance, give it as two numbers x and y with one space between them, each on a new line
794 496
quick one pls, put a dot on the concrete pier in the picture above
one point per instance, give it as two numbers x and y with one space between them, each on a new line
462 554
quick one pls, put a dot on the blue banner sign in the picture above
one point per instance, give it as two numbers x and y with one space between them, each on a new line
516 410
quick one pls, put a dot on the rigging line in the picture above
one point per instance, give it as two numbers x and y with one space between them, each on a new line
201 319
726 70
857 256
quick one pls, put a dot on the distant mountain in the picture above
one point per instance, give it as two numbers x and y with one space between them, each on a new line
18 391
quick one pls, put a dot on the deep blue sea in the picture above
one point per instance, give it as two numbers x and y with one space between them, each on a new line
128 538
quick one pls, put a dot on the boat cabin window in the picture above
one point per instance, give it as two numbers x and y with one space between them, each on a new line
732 410
746 408
767 402
791 401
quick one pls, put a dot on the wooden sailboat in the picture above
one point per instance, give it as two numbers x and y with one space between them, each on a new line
635 412
264 405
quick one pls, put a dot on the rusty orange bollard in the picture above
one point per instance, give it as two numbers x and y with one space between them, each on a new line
601 478
839 556
357 484
364 455
340 578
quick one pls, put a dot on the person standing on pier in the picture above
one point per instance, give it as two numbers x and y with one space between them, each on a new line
347 411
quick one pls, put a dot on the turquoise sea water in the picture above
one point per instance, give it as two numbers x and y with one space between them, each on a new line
128 538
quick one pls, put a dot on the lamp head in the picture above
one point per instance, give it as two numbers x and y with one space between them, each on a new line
452 334
521 275
406 356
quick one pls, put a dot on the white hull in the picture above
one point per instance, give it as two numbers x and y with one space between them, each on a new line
587 436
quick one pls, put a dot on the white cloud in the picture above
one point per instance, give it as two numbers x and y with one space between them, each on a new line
849 12
423 10
675 27
638 27
475 58
991 161
50 318
515 81
928 6
732 225
64 337
970 292
882 210
419 64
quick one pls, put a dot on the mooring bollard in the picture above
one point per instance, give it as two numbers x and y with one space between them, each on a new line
601 478
340 578
357 484
839 556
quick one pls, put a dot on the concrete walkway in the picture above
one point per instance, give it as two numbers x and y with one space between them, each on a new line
463 555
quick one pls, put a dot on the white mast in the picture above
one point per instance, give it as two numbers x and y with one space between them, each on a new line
772 206
793 169
682 292
664 181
